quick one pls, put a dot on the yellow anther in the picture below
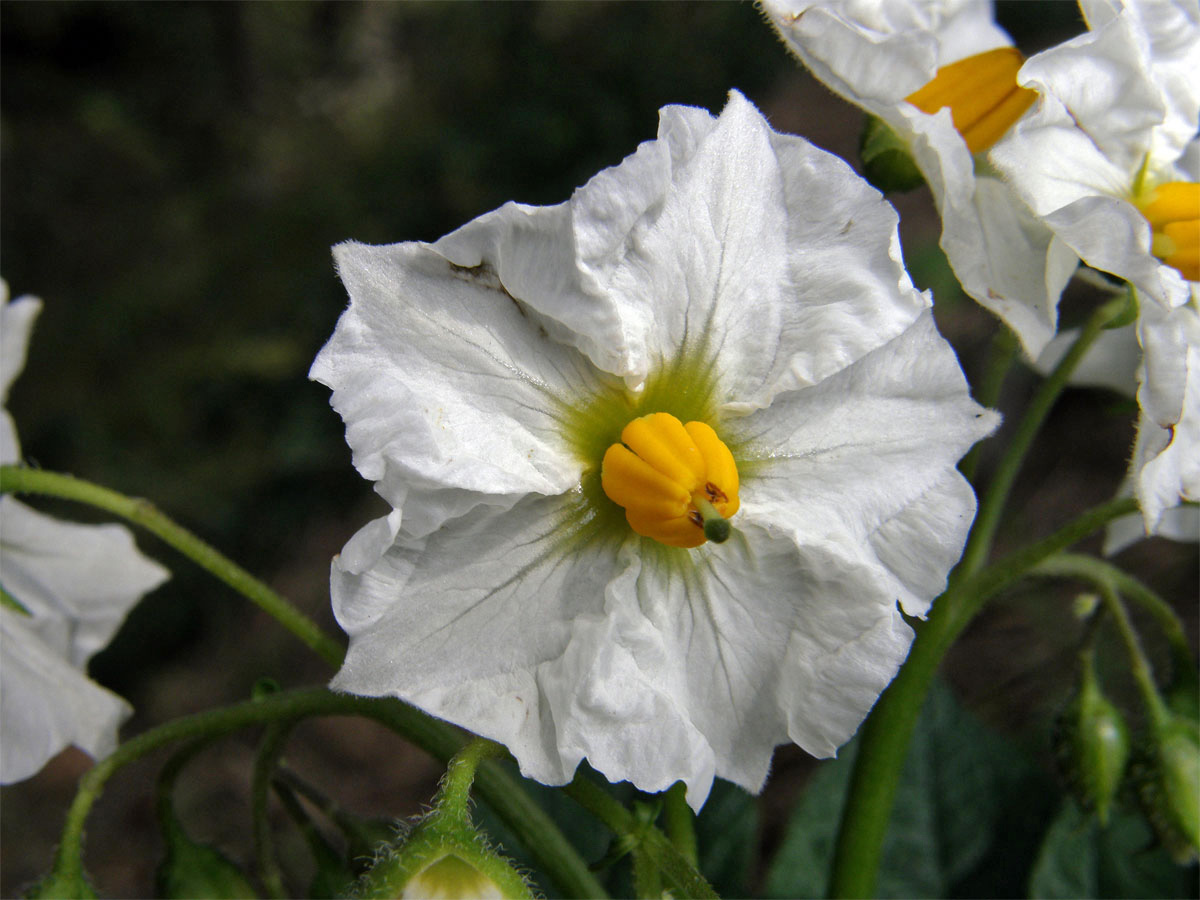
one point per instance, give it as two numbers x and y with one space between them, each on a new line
677 483
982 93
1173 211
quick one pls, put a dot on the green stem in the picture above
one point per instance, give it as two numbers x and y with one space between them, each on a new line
23 480
885 735
524 817
681 822
688 882
454 797
1000 360
1100 575
991 508
1074 565
265 761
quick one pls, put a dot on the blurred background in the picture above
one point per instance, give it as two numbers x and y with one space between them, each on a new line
173 176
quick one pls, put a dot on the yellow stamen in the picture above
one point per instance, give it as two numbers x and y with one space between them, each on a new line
982 93
1173 211
677 483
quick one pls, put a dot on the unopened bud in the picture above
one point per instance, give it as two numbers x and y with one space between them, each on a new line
1092 745
1167 775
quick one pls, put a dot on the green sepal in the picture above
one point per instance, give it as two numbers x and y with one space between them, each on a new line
190 869
1167 776
1092 744
445 858
887 163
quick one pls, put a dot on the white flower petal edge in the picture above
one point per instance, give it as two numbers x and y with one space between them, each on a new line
535 616
875 55
77 582
1105 111
47 704
16 324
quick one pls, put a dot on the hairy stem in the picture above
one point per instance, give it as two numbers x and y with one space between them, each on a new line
524 817
23 480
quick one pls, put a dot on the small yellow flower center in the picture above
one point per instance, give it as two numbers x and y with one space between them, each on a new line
982 93
1173 211
677 483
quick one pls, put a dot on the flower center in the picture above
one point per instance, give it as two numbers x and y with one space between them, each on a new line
982 93
677 483
1173 211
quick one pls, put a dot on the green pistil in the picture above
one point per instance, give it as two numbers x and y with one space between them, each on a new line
716 527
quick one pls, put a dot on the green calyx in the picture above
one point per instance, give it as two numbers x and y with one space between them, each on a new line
1092 744
441 859
1167 776
444 855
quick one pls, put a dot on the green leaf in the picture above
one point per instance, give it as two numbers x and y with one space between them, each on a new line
1079 858
962 787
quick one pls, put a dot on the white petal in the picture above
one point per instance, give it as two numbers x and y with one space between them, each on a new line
1106 111
654 666
876 54
16 325
1166 455
1170 31
78 581
47 704
923 542
449 391
731 271
559 259
834 462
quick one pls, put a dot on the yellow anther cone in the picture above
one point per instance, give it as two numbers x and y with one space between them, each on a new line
1173 211
982 94
676 482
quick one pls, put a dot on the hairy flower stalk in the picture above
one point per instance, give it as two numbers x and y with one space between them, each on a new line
669 462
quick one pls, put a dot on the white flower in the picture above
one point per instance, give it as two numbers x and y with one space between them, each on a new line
1110 147
75 584
884 57
724 274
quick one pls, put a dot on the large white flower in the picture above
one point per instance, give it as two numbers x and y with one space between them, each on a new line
925 67
1108 158
74 584
726 275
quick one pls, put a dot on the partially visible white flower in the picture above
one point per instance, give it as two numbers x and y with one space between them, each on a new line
1116 361
879 55
1115 121
1109 160
723 274
75 583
